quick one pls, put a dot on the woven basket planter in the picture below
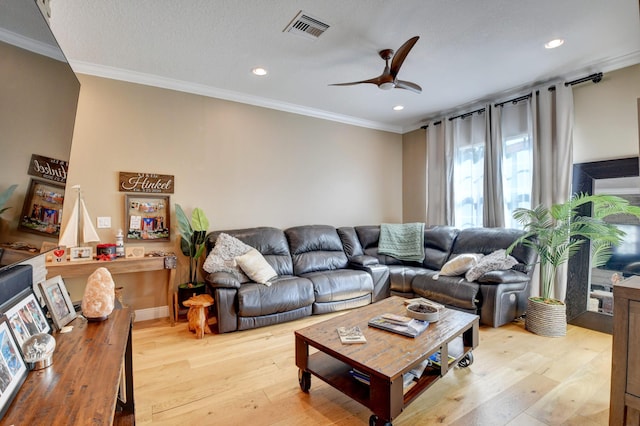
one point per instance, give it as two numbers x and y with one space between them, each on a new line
546 319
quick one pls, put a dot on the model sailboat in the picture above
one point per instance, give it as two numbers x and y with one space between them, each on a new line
79 224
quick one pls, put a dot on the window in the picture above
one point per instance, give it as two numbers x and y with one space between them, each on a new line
517 166
468 175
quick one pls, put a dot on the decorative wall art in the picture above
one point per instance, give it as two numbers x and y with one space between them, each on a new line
151 183
42 209
147 217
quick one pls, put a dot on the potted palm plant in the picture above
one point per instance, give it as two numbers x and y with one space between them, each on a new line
556 233
192 239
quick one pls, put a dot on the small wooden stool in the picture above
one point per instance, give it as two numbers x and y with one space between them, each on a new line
198 314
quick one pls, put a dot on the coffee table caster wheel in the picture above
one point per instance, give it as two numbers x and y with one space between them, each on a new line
373 419
466 361
304 378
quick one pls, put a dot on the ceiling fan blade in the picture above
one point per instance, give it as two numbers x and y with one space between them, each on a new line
401 55
375 81
400 84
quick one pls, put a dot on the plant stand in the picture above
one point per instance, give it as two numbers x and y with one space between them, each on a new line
546 319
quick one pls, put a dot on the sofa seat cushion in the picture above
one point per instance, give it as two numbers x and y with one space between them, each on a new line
286 293
400 277
339 284
451 291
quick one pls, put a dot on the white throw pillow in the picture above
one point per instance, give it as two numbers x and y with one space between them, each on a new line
222 257
460 264
256 267
496 261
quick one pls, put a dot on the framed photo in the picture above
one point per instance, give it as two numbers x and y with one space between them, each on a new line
147 217
58 302
13 370
42 208
80 253
25 316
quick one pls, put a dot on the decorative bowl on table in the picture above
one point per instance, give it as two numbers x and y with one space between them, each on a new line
38 350
423 312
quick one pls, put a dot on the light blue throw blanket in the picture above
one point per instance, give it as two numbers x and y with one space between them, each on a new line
404 241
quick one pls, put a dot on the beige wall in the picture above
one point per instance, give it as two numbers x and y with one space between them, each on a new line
244 165
605 127
606 117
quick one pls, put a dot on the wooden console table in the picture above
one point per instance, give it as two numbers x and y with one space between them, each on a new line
121 266
82 385
624 405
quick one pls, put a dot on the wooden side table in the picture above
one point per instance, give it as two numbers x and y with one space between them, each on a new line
122 266
198 314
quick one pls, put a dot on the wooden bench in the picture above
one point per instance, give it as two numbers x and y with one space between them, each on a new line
198 314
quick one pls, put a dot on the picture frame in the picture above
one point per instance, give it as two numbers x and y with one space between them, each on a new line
42 208
147 218
25 316
80 254
13 370
58 303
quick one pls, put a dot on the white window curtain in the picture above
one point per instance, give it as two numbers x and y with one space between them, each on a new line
552 113
479 170
437 200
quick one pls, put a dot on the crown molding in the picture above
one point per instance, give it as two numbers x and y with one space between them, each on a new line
215 92
31 45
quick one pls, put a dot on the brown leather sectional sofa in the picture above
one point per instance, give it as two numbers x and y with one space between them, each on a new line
323 269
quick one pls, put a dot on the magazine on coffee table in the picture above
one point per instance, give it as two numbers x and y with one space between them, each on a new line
412 329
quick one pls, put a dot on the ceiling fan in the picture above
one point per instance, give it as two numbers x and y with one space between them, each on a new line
388 79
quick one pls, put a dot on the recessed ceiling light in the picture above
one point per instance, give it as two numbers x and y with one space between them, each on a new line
398 107
557 42
259 71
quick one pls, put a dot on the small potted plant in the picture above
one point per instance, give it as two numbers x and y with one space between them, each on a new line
193 235
556 233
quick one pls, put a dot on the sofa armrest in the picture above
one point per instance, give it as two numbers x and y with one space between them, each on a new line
504 277
363 260
222 280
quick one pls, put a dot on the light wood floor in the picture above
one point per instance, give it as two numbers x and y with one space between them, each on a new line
250 378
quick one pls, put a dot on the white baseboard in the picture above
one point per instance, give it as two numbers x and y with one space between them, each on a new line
151 313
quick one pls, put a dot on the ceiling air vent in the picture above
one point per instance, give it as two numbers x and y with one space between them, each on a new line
307 26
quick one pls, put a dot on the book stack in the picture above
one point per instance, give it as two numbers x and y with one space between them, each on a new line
399 324
360 376
435 359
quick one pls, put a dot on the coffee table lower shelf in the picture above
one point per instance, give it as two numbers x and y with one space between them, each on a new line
381 397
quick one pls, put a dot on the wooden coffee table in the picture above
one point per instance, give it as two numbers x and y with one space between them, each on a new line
385 357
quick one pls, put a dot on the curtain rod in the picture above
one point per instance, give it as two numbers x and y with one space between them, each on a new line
595 77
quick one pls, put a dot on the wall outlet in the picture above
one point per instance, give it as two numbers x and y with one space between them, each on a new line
104 222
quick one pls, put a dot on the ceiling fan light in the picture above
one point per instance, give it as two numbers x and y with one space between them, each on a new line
387 85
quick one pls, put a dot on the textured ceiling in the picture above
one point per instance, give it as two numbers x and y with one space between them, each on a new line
468 50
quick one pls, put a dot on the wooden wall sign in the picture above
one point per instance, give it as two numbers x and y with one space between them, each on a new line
48 168
146 182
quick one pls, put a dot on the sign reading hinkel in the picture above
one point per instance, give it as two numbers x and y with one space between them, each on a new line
146 182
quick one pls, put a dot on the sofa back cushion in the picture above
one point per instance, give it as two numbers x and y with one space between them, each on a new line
438 241
315 248
488 240
270 242
350 242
